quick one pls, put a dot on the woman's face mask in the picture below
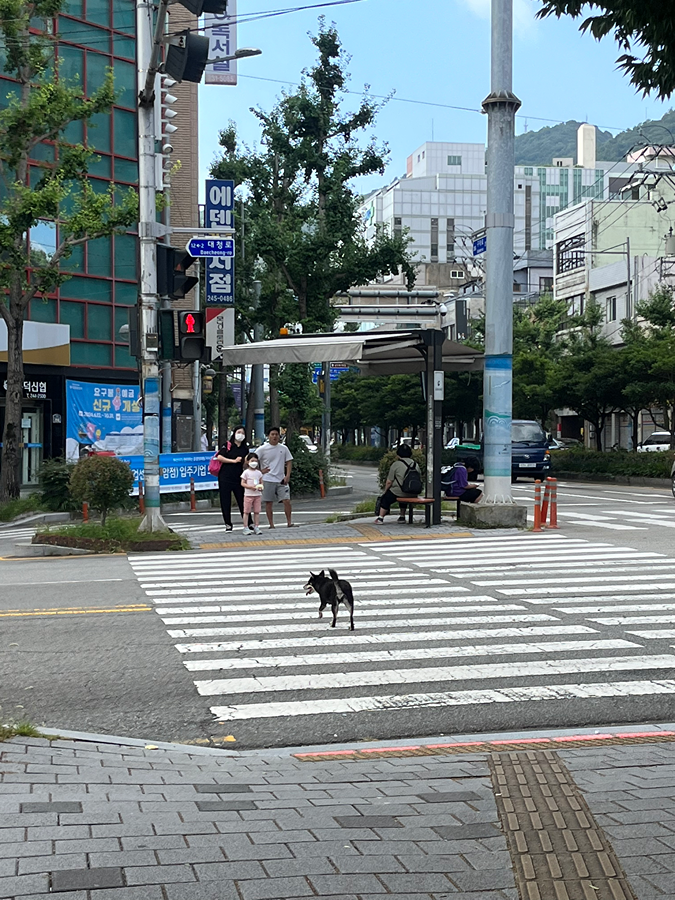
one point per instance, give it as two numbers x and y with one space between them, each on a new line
239 437
253 464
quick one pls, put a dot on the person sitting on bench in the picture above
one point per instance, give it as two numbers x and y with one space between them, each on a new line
393 489
460 486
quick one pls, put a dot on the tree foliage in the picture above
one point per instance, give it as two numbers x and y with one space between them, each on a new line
644 27
301 206
104 482
44 179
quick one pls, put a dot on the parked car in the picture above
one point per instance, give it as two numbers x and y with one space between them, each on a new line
672 479
563 443
309 443
408 441
658 440
530 454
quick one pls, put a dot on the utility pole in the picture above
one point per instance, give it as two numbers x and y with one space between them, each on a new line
500 106
258 377
148 53
325 416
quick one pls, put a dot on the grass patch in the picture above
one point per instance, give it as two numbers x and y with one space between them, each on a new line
18 729
117 534
23 505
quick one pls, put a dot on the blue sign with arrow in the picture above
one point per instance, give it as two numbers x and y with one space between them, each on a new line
210 246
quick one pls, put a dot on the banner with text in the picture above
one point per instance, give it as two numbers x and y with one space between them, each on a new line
104 417
175 472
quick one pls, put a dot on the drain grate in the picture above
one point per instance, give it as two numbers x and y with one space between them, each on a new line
558 850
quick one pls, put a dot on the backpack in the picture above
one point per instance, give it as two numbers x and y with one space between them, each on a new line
448 478
412 480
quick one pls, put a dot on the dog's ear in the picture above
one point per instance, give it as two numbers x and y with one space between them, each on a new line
322 574
311 574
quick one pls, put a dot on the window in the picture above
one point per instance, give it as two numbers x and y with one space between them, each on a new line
434 240
570 254
545 284
99 322
72 314
610 312
575 305
449 239
457 273
527 433
454 160
422 154
125 133
528 217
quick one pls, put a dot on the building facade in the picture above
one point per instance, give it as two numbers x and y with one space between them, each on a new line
94 37
442 201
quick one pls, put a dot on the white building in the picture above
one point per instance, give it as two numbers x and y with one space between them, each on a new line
442 202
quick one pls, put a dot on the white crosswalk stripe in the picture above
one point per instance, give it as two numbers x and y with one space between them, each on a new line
540 614
13 534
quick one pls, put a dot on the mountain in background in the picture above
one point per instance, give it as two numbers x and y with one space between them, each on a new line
538 148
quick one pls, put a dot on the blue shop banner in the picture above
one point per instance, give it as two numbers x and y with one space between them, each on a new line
103 417
175 472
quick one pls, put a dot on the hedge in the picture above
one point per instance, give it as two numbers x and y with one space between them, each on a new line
615 462
356 453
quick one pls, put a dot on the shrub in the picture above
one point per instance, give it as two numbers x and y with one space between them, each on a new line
622 462
391 457
55 483
19 507
357 453
103 482
306 465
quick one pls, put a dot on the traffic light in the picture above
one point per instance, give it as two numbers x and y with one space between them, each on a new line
167 341
172 265
197 7
191 334
187 54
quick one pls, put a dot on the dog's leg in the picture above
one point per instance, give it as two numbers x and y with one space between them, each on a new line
321 608
350 609
335 612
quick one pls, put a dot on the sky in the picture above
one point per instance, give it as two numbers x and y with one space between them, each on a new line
433 52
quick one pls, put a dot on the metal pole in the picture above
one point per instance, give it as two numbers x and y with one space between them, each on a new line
258 393
435 384
197 381
325 424
629 304
500 106
167 444
147 60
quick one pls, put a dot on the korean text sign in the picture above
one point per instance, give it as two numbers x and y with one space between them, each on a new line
222 31
219 213
104 417
175 472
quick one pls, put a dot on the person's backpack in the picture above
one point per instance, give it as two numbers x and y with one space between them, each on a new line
412 480
449 477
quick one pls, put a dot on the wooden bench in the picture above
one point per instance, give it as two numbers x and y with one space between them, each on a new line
427 503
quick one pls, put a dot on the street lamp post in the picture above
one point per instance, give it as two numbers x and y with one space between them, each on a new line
500 106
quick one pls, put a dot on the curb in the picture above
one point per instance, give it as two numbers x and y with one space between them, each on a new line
600 478
93 738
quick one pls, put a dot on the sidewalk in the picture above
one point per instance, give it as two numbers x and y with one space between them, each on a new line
567 816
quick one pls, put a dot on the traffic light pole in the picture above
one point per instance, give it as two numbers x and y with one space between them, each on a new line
148 58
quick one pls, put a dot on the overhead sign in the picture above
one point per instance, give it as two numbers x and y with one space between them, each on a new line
480 245
219 213
207 246
222 31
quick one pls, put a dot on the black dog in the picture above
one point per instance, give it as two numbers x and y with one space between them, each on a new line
332 591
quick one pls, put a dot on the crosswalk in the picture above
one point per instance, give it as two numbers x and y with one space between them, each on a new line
607 508
16 534
440 623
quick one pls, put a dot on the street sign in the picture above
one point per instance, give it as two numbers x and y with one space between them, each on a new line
219 213
480 245
335 372
208 246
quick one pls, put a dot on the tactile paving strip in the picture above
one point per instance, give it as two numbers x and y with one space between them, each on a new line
558 850
568 742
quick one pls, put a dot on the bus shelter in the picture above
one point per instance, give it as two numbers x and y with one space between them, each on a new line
427 351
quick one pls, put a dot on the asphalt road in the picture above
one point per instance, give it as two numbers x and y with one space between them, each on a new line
476 634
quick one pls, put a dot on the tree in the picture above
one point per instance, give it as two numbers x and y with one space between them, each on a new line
103 482
536 350
38 190
588 376
645 25
298 398
656 349
302 208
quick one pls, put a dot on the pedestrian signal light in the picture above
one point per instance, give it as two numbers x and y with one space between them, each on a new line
191 333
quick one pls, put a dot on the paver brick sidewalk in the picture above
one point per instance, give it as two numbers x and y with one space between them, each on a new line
88 821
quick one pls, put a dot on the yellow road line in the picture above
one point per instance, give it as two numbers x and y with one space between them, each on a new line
72 611
237 545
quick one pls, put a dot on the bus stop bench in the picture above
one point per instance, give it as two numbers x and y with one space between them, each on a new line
427 503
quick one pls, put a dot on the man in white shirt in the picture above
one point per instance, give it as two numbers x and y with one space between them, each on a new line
276 463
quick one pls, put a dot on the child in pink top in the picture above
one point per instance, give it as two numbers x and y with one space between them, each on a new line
252 482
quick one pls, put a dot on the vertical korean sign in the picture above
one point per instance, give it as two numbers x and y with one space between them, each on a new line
219 214
223 33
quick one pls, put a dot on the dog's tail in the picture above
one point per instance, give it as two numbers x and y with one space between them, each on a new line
334 575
